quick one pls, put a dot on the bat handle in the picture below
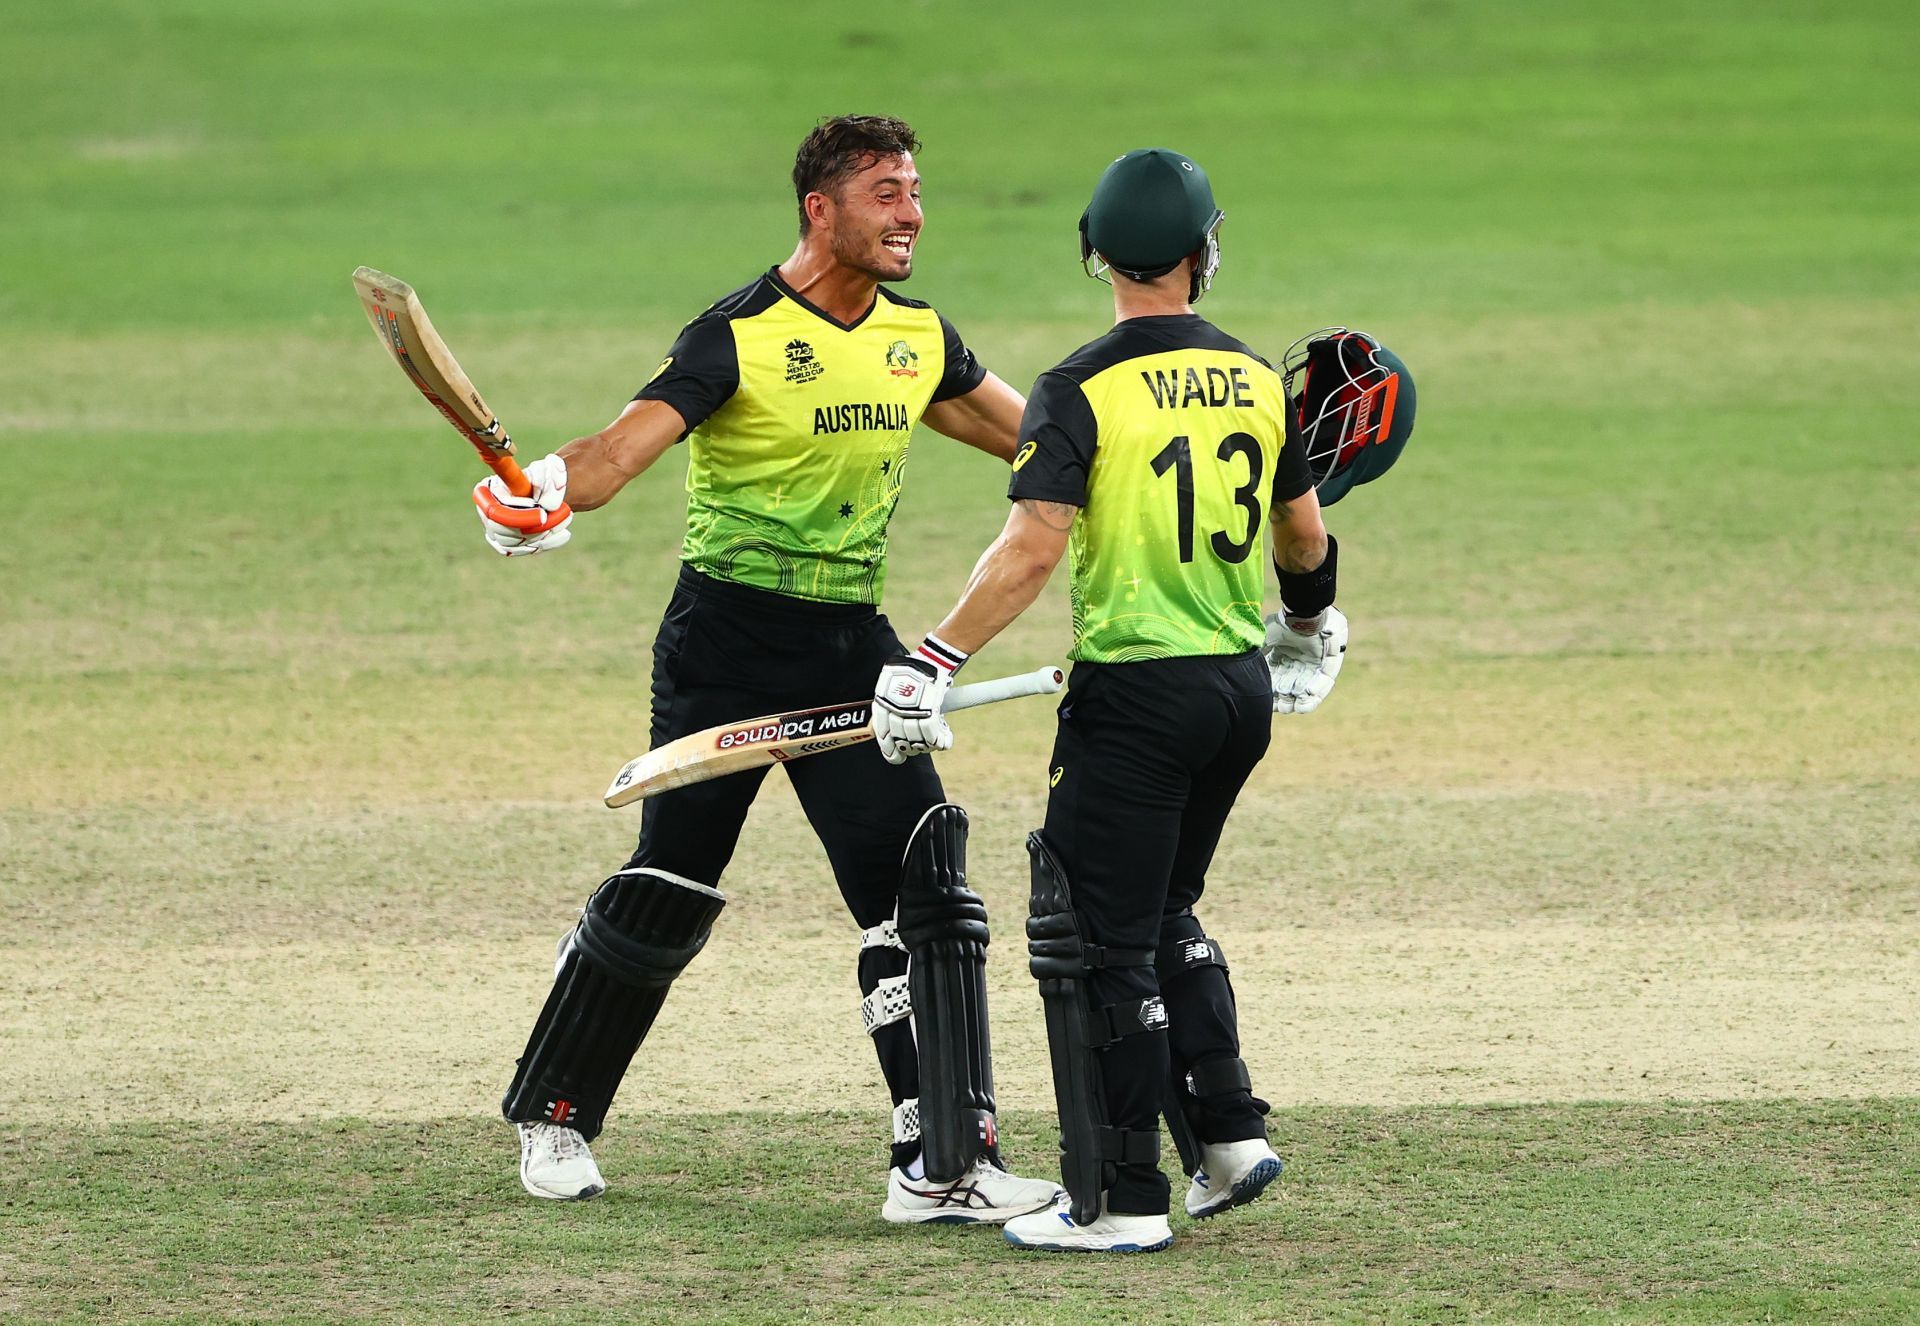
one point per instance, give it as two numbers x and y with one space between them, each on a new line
517 481
1041 681
510 474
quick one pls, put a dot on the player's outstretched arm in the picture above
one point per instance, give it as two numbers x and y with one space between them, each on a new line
1010 574
988 417
601 464
909 696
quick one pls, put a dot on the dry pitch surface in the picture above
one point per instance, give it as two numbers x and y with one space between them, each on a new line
1457 945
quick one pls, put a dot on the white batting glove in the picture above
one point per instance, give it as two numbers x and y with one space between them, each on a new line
1303 657
907 699
522 526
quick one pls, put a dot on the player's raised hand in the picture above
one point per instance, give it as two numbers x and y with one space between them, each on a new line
907 700
522 526
1304 657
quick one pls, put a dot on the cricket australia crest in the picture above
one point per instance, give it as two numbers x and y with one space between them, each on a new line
902 362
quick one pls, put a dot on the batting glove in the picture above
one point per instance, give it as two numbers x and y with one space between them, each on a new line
907 698
522 526
1303 657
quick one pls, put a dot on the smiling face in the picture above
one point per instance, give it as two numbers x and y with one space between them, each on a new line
873 219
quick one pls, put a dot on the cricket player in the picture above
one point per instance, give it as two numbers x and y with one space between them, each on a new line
1160 457
797 395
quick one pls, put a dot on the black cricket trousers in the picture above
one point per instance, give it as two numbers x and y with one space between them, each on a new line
727 652
1147 762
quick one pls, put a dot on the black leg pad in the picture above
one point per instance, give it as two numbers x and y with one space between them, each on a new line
1193 973
1185 949
943 925
639 931
1076 1031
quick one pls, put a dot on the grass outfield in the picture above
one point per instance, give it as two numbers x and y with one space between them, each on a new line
1600 1213
1578 937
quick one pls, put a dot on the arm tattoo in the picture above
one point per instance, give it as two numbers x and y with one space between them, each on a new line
1054 515
1290 555
1298 558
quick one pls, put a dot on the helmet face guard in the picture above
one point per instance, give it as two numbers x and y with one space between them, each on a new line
1354 402
1209 264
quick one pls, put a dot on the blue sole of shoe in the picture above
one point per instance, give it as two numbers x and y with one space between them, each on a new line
1246 1190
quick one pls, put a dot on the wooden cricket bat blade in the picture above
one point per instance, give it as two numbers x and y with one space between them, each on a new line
778 738
402 324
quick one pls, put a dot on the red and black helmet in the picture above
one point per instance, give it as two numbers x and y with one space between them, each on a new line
1354 402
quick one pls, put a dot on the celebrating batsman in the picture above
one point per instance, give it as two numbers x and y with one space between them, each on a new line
797 395
1160 456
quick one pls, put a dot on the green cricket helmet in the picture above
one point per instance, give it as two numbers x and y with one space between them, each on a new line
1150 209
1354 402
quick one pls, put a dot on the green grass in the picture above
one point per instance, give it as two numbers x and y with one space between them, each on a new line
1580 1213
1601 860
1635 151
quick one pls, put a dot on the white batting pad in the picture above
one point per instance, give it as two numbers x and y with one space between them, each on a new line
906 1120
888 1004
884 935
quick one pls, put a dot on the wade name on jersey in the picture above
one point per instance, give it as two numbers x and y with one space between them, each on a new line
1175 389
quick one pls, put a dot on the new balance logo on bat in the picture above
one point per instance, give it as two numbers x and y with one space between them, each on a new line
791 729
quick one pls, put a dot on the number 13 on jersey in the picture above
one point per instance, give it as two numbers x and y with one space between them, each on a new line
1177 457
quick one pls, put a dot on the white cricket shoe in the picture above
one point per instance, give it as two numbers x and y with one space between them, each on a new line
556 1162
1055 1231
984 1195
1230 1174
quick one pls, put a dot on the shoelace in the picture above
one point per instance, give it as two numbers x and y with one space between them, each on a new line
567 1144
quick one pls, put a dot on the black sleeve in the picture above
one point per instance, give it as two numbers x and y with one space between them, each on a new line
1291 477
699 374
1058 434
964 372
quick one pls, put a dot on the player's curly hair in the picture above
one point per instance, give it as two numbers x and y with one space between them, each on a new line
842 146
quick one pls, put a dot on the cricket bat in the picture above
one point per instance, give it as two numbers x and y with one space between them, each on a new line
404 328
777 738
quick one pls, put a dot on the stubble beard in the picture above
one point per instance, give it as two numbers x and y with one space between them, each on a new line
862 259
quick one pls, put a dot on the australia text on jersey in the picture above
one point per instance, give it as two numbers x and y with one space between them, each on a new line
861 417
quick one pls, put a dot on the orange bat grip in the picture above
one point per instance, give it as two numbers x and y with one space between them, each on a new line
509 471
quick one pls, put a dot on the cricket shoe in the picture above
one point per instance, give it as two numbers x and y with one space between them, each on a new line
1054 1230
1230 1174
984 1195
556 1162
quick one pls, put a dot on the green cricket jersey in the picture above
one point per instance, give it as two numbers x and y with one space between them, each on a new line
1175 439
799 425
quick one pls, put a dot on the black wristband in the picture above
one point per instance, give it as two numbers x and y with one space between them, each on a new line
1309 593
